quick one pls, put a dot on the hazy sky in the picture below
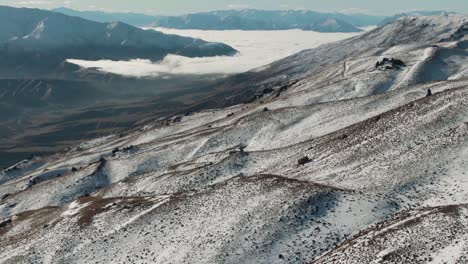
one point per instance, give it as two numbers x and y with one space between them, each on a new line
188 6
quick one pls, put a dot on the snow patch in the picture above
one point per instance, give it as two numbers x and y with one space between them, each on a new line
37 32
74 208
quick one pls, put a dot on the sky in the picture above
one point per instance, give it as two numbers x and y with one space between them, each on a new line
173 7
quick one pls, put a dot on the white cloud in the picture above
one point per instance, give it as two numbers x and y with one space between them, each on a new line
44 4
35 3
238 6
256 49
355 10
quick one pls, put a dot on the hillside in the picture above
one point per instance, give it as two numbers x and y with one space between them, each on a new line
441 233
38 41
349 153
41 94
413 14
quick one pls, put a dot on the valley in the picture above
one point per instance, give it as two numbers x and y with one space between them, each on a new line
51 104
350 152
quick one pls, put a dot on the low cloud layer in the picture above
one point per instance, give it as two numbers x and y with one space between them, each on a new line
256 49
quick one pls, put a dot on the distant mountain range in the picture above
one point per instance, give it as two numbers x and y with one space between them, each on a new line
268 20
248 19
413 13
351 152
134 19
40 40
40 93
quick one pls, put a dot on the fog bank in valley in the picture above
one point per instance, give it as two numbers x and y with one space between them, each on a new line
256 49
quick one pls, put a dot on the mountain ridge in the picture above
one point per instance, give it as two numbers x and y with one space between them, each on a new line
41 93
247 19
57 37
340 145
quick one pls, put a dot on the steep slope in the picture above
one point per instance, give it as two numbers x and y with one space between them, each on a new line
37 93
43 116
441 233
41 93
249 220
348 68
338 159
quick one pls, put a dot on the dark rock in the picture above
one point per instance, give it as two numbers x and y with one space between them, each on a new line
281 90
177 119
102 163
33 182
6 223
114 151
15 168
128 148
285 87
268 91
429 92
266 109
304 160
242 148
390 64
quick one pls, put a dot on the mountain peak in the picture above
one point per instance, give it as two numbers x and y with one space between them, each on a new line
28 34
351 152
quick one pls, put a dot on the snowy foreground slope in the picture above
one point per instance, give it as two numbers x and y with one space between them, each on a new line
384 180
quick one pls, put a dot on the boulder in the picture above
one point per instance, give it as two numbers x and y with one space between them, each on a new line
304 160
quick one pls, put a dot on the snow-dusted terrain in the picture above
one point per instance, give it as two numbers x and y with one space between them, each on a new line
354 152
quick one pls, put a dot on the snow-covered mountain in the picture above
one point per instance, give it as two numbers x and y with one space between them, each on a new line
40 40
41 93
251 19
248 19
354 152
134 19
414 13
